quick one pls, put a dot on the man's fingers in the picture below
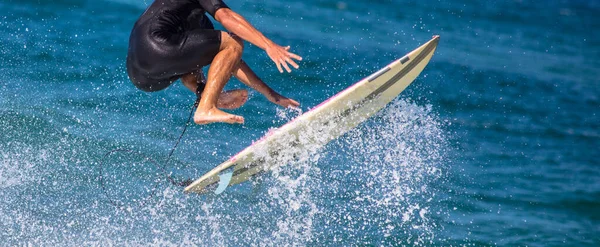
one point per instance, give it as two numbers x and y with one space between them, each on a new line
285 65
282 58
294 56
290 61
278 66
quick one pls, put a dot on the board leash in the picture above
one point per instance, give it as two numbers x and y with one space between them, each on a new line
162 168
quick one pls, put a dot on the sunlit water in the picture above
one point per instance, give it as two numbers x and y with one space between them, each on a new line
496 143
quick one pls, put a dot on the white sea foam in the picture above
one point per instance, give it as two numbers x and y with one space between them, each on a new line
371 186
18 164
19 169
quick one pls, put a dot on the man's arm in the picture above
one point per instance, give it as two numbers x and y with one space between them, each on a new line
241 27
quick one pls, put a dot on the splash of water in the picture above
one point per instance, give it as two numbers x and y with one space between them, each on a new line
380 193
392 161
372 186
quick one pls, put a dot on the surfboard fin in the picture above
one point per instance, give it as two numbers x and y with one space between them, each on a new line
224 179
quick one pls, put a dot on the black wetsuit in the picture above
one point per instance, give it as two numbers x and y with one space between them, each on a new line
172 38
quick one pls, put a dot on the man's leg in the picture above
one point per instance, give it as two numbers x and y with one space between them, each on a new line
231 99
219 73
248 77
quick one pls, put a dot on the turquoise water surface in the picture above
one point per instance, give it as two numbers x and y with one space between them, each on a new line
496 143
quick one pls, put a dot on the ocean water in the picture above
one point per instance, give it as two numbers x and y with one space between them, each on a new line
495 144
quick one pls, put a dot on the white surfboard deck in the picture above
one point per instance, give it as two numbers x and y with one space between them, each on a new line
327 121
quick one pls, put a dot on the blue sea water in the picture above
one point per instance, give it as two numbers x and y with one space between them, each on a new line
495 144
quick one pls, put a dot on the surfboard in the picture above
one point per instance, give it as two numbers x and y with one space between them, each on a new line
325 122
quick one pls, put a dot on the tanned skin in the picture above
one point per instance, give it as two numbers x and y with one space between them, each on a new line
228 62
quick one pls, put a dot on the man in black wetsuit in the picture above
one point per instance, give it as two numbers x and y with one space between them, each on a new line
174 39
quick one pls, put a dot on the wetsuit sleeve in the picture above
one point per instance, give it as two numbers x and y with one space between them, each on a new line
211 6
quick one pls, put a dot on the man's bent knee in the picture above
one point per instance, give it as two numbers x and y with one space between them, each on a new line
232 41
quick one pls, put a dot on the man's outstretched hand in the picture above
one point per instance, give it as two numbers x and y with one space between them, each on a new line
282 57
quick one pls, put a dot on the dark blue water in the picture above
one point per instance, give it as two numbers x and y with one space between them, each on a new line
496 143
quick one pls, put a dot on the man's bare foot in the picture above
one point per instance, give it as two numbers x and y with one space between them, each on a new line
282 101
232 99
215 115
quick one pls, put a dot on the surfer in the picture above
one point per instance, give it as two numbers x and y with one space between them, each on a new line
174 39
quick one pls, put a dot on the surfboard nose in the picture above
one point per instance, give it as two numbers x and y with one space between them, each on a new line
435 39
